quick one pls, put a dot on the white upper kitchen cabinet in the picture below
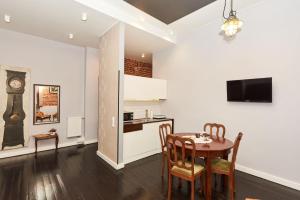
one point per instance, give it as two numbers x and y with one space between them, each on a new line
138 88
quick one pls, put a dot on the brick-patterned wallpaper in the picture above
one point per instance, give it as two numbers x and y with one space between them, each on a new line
46 98
134 67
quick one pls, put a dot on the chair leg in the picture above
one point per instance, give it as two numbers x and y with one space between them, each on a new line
233 183
231 187
169 186
163 166
193 190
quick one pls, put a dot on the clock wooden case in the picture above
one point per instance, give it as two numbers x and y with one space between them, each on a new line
14 114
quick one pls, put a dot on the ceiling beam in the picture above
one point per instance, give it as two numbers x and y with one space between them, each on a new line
127 13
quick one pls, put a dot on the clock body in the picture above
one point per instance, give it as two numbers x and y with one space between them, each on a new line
14 114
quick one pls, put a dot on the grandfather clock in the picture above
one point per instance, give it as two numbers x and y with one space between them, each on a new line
14 114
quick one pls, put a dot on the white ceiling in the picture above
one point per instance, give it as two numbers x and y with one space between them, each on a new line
55 19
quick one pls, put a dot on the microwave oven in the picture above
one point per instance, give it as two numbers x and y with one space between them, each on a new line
128 116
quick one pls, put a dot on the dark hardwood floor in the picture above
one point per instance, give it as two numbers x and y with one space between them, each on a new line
78 173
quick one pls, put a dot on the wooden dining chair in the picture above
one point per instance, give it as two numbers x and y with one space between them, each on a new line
220 129
225 167
164 130
181 162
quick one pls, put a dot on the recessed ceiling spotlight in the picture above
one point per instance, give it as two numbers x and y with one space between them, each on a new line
143 55
7 18
71 36
84 17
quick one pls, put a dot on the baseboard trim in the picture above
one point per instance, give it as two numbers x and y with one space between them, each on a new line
16 152
269 177
110 162
91 141
141 156
27 150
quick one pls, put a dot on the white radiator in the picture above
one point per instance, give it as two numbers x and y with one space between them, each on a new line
75 125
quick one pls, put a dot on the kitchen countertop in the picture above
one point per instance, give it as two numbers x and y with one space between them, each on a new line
146 120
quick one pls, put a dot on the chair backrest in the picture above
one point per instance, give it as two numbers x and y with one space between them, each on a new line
164 130
235 150
179 151
220 129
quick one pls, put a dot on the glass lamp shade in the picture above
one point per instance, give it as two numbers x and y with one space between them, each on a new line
231 25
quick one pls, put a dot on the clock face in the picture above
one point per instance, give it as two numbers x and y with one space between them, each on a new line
15 83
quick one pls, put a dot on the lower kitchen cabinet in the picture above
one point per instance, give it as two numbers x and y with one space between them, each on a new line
142 143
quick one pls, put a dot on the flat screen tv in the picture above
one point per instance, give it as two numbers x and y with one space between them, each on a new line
250 90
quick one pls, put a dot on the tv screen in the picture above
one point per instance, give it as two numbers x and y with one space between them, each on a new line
250 90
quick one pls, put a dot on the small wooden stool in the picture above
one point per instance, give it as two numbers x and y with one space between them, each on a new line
46 136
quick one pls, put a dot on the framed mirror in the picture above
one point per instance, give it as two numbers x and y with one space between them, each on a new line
46 107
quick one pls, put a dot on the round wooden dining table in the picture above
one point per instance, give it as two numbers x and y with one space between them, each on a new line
219 147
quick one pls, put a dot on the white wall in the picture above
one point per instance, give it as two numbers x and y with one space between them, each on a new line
50 63
91 93
199 65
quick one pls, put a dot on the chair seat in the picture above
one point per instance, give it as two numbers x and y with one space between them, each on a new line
186 172
220 165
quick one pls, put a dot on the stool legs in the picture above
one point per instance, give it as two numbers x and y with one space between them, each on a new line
36 146
56 144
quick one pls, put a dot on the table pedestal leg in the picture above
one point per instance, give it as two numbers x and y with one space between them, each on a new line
208 178
224 177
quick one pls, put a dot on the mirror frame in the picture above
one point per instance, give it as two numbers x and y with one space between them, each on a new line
34 104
